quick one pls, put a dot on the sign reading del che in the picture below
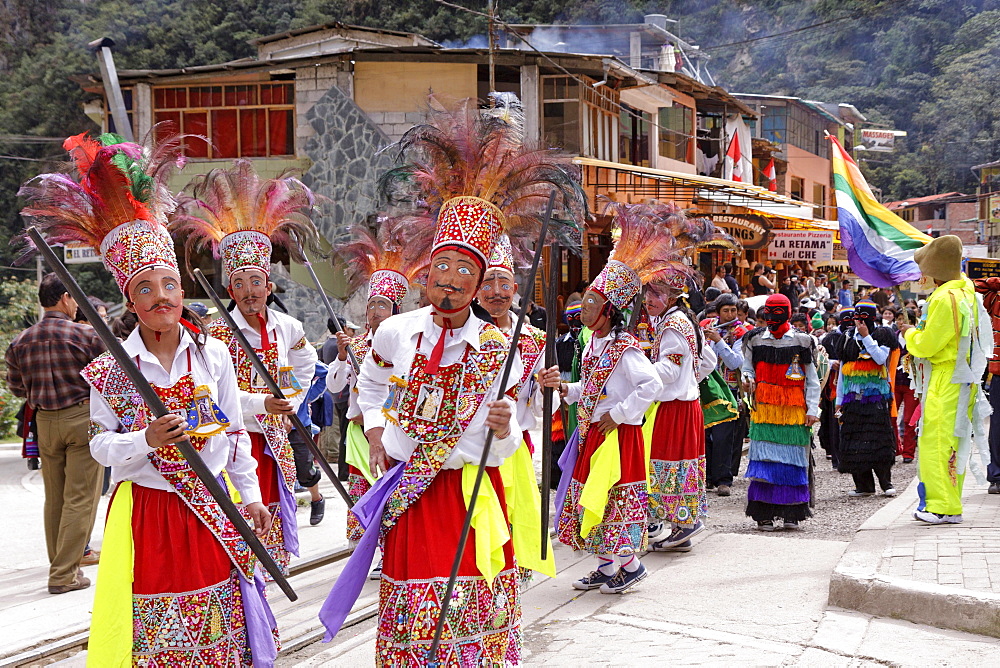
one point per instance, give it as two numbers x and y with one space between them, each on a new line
753 232
801 245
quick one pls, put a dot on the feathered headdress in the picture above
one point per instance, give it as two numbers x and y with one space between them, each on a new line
240 216
690 234
118 204
391 259
469 171
644 247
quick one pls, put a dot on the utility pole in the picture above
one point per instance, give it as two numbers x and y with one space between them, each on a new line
490 31
109 74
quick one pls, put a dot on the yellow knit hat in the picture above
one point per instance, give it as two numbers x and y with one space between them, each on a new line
941 258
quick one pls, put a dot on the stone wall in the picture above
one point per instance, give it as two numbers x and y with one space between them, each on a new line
342 145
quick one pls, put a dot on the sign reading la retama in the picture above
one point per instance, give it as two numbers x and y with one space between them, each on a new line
801 245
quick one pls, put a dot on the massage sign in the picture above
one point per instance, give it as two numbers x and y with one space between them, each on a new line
801 245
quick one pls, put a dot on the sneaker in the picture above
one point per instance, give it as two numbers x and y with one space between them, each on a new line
91 558
929 518
680 547
723 490
909 460
623 580
376 573
679 535
766 525
317 510
953 519
79 583
889 492
994 488
595 580
855 492
655 531
790 525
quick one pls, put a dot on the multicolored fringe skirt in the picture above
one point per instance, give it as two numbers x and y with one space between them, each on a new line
622 530
867 434
779 444
167 592
267 476
677 464
483 627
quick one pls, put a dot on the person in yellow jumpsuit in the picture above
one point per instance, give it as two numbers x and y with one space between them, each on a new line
948 362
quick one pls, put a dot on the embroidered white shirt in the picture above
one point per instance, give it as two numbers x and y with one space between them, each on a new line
630 389
126 452
396 343
679 382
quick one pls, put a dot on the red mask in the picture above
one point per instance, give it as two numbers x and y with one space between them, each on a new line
777 309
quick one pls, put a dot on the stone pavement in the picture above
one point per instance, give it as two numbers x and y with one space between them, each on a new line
944 575
736 599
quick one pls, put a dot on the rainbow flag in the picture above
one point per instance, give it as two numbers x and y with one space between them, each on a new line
879 243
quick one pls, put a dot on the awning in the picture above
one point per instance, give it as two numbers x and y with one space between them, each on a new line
691 187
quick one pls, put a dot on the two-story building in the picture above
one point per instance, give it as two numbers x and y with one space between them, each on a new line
328 100
948 213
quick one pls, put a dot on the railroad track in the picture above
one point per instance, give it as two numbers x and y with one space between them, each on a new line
312 579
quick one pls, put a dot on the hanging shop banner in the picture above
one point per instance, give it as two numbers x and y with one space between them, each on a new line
78 253
753 232
982 268
882 141
801 245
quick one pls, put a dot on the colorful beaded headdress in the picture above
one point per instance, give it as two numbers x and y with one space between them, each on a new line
866 309
390 259
689 235
241 216
118 206
470 172
502 256
644 247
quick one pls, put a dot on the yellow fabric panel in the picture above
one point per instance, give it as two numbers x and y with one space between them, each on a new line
489 523
110 643
358 451
605 471
524 512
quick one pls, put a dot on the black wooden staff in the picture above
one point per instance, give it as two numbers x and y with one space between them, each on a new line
551 296
157 408
515 337
329 307
272 386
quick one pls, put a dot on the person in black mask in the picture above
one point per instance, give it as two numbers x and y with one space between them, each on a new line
864 402
779 373
829 425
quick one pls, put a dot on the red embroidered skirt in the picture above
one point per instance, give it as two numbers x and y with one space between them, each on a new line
677 464
623 529
267 478
184 581
483 627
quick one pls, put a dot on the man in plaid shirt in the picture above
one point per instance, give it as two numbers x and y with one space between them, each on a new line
43 366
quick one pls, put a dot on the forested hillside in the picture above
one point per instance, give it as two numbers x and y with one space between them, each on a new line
930 67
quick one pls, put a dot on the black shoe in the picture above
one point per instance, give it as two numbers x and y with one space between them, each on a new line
994 488
907 460
594 580
623 580
317 509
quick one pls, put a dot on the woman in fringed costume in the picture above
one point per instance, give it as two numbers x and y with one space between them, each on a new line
429 392
864 402
388 260
241 217
177 584
780 374
603 495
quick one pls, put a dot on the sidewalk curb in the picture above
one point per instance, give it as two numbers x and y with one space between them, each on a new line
855 583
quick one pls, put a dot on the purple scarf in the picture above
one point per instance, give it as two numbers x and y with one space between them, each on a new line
347 588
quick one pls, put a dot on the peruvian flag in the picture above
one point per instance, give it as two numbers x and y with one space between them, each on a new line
772 179
734 158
